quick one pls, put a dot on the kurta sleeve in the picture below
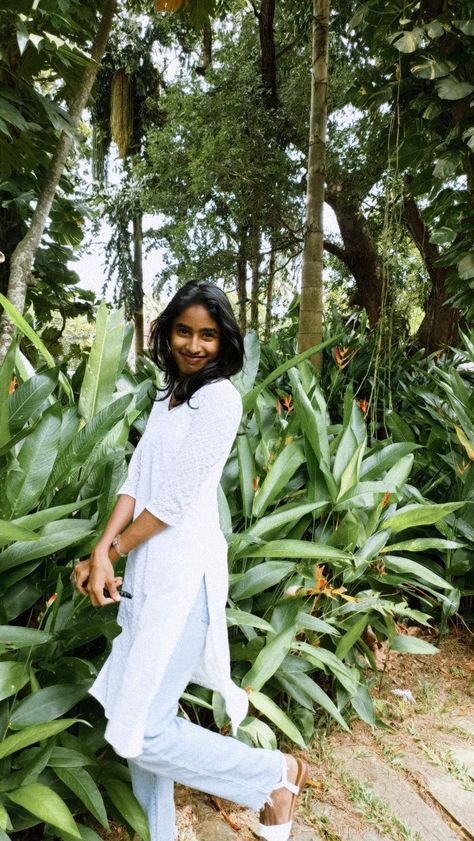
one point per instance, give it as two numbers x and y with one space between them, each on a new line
130 486
209 440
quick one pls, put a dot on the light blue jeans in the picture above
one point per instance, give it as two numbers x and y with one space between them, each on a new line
174 749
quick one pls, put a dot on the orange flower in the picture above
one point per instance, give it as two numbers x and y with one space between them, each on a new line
170 5
386 498
255 483
343 357
321 582
278 406
13 385
288 403
363 406
248 690
51 600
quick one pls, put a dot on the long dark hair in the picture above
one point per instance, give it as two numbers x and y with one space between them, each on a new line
231 349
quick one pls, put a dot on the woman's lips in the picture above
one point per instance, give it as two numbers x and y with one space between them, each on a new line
192 360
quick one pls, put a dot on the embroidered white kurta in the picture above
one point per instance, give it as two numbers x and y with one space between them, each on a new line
174 473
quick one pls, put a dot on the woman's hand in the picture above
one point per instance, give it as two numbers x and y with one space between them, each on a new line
94 574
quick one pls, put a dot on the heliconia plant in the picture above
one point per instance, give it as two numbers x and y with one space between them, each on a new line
327 540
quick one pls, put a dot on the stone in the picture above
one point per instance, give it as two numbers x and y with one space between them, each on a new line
445 789
404 801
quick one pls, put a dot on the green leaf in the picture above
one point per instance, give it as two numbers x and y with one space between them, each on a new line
407 644
265 705
260 578
420 544
48 515
375 465
466 266
33 734
283 468
247 472
29 398
69 758
307 622
406 565
323 657
288 548
318 695
419 515
13 677
46 805
466 26
36 458
10 532
350 474
83 786
269 659
67 533
46 704
84 441
6 375
103 363
282 516
409 41
452 88
16 636
352 635
243 619
431 69
28 331
128 806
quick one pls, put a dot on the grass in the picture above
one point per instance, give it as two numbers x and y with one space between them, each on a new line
376 811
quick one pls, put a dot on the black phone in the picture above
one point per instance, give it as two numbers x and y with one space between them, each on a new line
123 593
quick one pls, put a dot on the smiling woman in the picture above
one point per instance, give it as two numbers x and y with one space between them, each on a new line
195 339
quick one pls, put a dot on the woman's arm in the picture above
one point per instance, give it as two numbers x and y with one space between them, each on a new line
98 571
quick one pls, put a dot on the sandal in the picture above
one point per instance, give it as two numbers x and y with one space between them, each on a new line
268 829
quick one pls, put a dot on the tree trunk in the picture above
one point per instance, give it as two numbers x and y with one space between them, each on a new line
311 307
138 282
270 285
255 262
440 323
267 49
359 254
242 281
24 254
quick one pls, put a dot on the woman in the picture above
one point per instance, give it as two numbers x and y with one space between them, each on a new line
173 626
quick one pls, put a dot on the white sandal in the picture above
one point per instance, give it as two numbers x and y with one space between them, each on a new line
269 830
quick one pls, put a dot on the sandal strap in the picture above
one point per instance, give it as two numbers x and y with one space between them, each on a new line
290 786
277 832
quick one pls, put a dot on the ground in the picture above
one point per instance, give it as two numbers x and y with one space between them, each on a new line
411 779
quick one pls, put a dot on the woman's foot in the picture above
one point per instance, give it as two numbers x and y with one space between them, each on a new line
276 818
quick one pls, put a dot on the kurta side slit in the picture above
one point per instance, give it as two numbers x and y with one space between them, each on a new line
174 473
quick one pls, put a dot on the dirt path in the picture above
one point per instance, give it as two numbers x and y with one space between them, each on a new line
409 780
412 780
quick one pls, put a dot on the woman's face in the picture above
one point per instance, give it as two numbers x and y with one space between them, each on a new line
194 340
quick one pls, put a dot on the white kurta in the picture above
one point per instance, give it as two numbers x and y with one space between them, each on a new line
174 473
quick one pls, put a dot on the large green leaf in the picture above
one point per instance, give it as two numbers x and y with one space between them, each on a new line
16 636
35 733
269 659
284 514
36 458
352 635
375 465
272 711
10 532
48 515
260 578
406 565
288 548
421 544
307 622
322 657
103 363
6 375
280 472
66 533
407 644
29 398
244 619
46 805
83 786
318 695
419 515
25 328
46 704
84 441
128 806
247 472
13 677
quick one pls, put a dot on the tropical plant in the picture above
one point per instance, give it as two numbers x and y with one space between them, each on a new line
62 460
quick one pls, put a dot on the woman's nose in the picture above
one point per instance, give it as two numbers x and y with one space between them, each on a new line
194 343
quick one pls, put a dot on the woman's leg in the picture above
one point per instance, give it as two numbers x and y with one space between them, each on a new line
176 749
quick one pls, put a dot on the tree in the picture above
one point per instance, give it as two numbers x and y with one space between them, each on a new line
24 253
311 309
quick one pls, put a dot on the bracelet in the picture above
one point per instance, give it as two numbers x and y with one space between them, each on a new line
115 544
